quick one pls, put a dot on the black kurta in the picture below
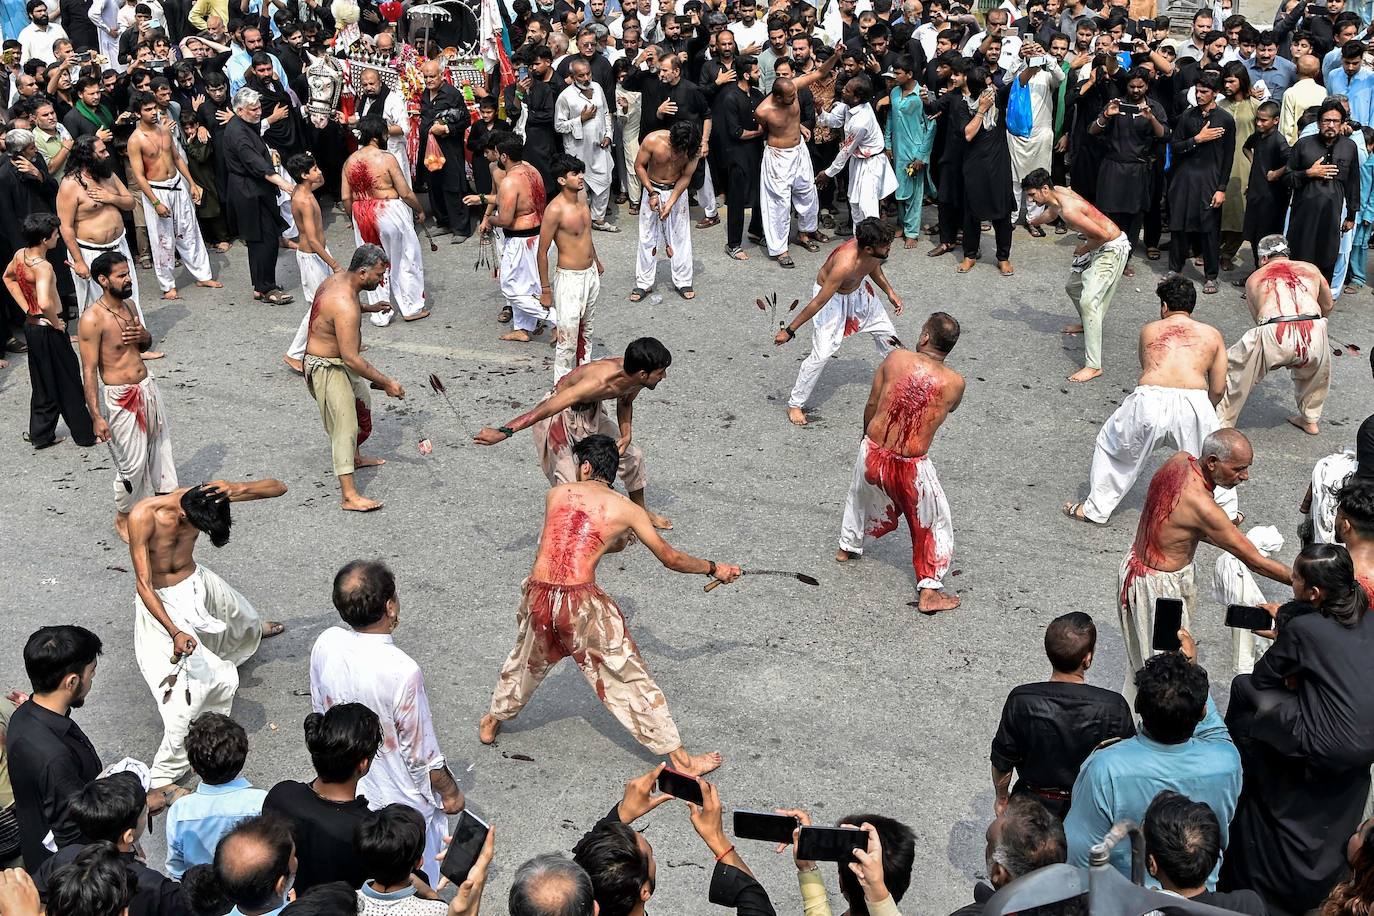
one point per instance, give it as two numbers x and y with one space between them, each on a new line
448 185
1085 151
987 164
1320 204
252 199
541 138
1266 202
1199 170
1125 179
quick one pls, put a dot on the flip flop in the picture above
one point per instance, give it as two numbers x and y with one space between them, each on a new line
809 244
505 315
736 253
785 260
1075 512
1061 229
637 294
1036 231
686 292
1210 287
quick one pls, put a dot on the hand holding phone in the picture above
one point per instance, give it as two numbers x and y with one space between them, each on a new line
467 844
680 785
1168 621
760 825
830 844
1248 617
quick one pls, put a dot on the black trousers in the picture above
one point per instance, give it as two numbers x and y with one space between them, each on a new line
262 264
1130 224
741 192
973 235
1208 242
55 377
446 190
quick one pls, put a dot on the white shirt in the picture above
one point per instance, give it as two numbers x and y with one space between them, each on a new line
863 138
1011 50
746 35
583 138
36 42
394 113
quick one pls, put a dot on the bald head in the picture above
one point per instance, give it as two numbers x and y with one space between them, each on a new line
551 885
1309 67
255 863
430 68
784 90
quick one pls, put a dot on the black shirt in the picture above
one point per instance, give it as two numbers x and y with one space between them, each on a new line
691 101
50 759
323 830
1049 729
1247 902
155 894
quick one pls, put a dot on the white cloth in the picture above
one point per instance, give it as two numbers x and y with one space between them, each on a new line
227 631
1232 583
785 179
574 306
368 668
1328 476
1150 416
706 197
394 114
583 138
104 15
314 271
391 224
858 312
663 236
870 174
520 281
179 233
87 290
140 441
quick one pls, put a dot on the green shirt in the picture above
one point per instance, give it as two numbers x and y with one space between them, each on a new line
50 145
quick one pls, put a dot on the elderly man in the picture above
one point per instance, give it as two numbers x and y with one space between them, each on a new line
253 182
583 117
444 116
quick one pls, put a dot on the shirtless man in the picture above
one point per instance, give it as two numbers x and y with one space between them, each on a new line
54 375
89 202
1289 301
1098 262
169 199
335 370
520 202
577 281
485 230
1180 510
844 302
312 254
1355 528
574 409
1183 375
665 163
912 394
112 337
384 211
563 612
186 613
786 177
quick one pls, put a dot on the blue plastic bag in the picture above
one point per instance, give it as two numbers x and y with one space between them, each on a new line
1019 109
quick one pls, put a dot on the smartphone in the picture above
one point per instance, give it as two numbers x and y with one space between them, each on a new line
522 74
762 825
830 844
1168 621
466 846
680 785
1248 617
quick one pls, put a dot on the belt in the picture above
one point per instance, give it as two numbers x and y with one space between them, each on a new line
1282 319
100 246
37 321
522 233
167 184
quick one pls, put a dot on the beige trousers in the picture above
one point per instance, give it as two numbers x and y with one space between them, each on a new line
1298 346
1136 594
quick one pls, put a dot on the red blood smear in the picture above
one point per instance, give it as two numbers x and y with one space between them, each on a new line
895 475
1165 489
851 325
365 206
558 434
557 626
538 197
1283 272
132 401
24 278
575 538
852 243
1367 584
315 305
1169 337
1302 337
580 356
916 398
364 420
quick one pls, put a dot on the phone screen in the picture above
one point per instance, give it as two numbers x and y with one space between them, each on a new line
761 825
830 844
462 854
680 785
1168 620
1248 617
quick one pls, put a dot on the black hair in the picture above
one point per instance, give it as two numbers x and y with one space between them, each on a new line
299 165
33 5
390 840
1352 49
1177 294
1184 837
96 883
333 898
250 882
905 62
38 227
362 589
53 653
1270 108
1237 69
1171 697
863 88
873 232
743 64
258 59
1329 567
215 79
512 147
564 164
878 29
486 101
340 739
976 80
646 354
615 863
217 747
105 808
201 893
1332 105
1038 178
551 885
943 330
105 264
899 851
139 100
1356 501
207 510
372 129
601 453
684 136
1068 640
495 139
1209 79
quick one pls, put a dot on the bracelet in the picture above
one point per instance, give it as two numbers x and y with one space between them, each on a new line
726 852
791 334
155 202
712 572
505 431
1101 124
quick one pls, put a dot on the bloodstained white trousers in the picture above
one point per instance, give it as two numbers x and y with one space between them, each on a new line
574 306
177 233
786 178
858 312
658 235
313 272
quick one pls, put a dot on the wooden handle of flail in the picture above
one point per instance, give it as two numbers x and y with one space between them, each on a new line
712 584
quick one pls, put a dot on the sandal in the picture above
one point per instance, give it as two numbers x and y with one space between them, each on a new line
1060 228
686 292
939 250
818 236
808 244
1036 232
1075 512
637 294
505 315
1210 287
277 297
736 253
785 260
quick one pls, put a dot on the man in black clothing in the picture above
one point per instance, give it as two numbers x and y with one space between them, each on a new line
1024 837
588 49
76 22
1048 729
252 183
97 881
537 94
1325 169
283 119
720 70
1182 845
90 115
1203 146
444 116
1268 194
1129 130
740 153
50 757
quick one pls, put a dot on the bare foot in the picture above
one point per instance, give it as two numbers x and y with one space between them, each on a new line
1306 426
1072 329
519 336
796 415
122 526
844 556
151 355
662 523
364 462
223 246
210 284
359 504
1085 375
694 764
909 243
272 628
933 601
171 294
296 365
4 364
487 729
423 313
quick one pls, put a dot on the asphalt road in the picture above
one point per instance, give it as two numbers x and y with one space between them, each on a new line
838 699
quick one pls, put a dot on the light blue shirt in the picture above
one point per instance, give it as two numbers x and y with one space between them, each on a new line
237 912
1359 90
1278 76
1119 782
196 823
237 67
1366 180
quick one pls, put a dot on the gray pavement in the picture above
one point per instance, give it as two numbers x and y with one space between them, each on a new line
837 699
